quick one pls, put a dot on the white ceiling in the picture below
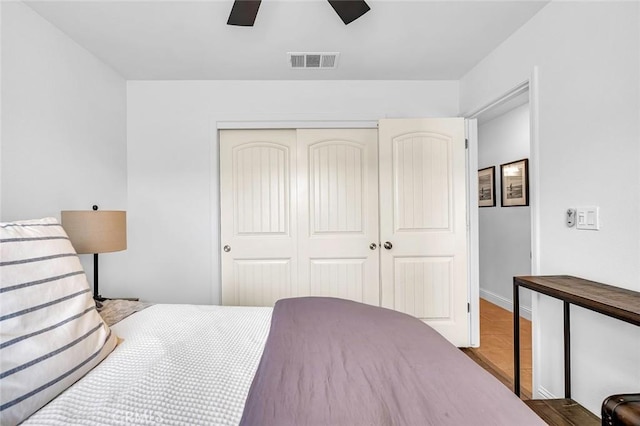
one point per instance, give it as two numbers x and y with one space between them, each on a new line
189 40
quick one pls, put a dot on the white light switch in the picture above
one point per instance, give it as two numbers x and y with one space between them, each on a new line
587 218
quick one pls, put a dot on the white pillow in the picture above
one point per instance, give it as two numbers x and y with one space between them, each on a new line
50 332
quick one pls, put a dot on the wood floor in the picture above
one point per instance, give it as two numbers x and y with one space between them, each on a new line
495 355
496 346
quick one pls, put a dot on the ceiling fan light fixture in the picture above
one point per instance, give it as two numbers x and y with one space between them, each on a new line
349 10
244 12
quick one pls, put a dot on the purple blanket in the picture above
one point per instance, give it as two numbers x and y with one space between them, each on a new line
336 362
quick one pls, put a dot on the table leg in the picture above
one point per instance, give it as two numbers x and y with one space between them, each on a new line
567 350
516 338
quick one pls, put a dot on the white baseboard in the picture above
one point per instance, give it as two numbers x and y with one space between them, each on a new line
544 394
505 303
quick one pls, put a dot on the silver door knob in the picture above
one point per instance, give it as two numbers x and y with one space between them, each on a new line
373 246
388 245
227 249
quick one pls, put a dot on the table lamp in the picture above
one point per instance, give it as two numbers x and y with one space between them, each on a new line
96 231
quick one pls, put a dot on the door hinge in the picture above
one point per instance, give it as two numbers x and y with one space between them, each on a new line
468 307
466 144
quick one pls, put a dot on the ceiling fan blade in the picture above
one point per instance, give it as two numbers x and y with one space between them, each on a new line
349 10
243 13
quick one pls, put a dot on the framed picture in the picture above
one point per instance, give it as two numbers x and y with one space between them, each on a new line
487 187
514 179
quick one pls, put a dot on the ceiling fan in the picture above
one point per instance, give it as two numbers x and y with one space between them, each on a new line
244 12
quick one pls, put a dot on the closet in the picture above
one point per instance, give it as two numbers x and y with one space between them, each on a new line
372 215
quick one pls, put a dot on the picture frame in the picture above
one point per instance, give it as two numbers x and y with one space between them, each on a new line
514 183
487 187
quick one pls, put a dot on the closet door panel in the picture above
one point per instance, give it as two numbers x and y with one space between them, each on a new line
335 187
422 200
423 286
423 221
261 282
258 216
343 278
260 190
338 211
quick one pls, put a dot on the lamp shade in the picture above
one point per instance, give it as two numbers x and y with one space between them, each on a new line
100 231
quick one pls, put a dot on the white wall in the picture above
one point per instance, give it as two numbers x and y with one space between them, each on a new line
505 232
588 57
172 149
63 126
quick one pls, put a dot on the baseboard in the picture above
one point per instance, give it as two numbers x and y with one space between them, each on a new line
505 303
542 393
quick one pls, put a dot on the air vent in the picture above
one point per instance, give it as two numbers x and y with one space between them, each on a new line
313 61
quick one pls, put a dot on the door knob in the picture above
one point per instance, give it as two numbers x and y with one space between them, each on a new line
373 246
388 245
227 248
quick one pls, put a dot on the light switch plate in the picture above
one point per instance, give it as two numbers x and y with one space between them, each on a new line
587 218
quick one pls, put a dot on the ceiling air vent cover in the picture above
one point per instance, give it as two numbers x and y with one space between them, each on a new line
313 61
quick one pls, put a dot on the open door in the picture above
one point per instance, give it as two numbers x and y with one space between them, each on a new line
423 222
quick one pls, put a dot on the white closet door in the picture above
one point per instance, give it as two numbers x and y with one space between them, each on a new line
338 211
258 216
423 222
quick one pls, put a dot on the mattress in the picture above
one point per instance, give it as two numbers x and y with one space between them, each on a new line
173 366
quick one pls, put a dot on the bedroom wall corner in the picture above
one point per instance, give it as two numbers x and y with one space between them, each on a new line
63 127
588 128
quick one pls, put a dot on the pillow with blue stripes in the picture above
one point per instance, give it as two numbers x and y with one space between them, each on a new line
50 332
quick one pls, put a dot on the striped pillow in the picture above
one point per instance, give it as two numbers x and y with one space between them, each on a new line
50 332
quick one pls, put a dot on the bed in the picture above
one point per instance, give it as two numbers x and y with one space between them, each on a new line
307 361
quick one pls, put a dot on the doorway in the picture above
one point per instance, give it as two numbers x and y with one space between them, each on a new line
504 235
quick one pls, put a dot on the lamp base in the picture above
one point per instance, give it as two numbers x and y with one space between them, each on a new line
98 303
99 299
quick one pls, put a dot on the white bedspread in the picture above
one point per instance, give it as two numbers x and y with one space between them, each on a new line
178 364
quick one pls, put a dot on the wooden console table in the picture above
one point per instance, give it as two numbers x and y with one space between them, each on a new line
608 300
